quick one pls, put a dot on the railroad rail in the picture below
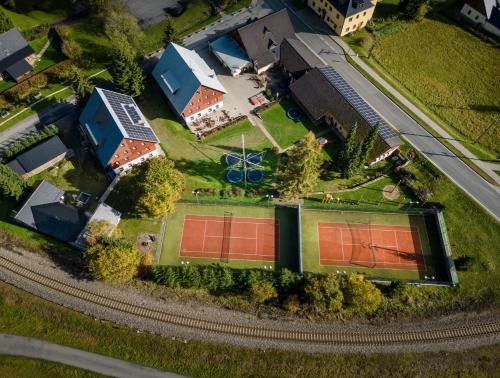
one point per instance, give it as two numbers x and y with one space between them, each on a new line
334 337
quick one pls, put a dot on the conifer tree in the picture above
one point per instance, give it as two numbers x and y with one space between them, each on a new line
367 146
127 74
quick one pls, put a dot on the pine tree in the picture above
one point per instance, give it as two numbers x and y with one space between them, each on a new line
81 84
5 22
170 34
367 146
303 169
127 74
349 151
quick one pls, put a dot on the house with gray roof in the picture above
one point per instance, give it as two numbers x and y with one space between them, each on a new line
230 54
16 56
189 84
45 211
325 97
39 158
117 130
483 13
261 39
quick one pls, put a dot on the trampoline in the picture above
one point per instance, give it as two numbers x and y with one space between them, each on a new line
254 158
234 176
255 176
293 114
233 159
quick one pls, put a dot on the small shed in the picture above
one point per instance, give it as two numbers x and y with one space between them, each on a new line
230 54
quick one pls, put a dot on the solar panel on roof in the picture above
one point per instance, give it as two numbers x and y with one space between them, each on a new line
365 110
127 113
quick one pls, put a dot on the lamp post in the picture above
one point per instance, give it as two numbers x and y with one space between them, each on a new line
269 198
413 203
494 122
196 192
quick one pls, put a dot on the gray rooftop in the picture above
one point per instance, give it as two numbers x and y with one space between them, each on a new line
13 48
229 52
103 212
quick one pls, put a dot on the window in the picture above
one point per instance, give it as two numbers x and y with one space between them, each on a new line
217 106
147 148
134 147
475 18
206 97
338 16
126 159
364 13
122 145
350 19
125 152
357 16
209 103
347 29
121 169
138 153
142 158
116 155
199 114
191 118
198 108
213 93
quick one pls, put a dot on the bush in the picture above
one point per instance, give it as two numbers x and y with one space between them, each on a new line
36 32
11 184
362 296
292 304
261 292
71 49
323 293
397 288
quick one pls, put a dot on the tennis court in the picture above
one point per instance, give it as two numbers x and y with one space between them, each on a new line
229 237
388 247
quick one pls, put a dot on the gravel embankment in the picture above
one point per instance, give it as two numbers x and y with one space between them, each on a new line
209 312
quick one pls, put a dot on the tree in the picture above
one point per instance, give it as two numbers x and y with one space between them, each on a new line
159 185
324 293
414 9
362 296
349 149
302 171
71 49
11 184
113 260
5 22
96 230
81 84
367 145
170 34
121 26
127 74
262 292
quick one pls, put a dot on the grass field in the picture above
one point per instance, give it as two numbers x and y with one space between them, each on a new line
426 227
448 70
36 17
285 131
21 367
287 233
26 315
201 162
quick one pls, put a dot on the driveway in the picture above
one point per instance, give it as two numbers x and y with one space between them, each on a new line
149 12
33 348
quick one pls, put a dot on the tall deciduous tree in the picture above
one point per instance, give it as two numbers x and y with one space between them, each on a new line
11 184
127 74
120 25
303 168
159 184
113 260
5 22
170 34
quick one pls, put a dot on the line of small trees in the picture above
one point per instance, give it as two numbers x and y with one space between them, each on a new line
318 293
20 146
355 153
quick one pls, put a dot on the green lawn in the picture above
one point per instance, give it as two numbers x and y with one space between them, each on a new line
90 36
285 131
26 315
431 249
196 15
447 70
51 56
236 5
201 162
21 367
36 17
132 228
288 255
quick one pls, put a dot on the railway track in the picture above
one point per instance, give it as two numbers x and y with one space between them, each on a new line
334 337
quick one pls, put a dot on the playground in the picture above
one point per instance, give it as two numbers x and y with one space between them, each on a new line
379 244
240 236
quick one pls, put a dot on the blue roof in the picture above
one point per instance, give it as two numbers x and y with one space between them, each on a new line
229 52
180 73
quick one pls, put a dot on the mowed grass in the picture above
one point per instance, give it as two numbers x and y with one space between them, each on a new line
36 17
202 162
26 315
21 367
284 130
287 242
430 244
450 72
196 15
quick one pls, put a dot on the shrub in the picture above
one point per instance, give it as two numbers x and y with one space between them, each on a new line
362 296
36 32
262 292
190 277
397 288
292 304
289 281
11 184
324 294
71 49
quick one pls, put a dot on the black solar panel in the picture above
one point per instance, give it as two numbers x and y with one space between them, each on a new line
126 110
365 110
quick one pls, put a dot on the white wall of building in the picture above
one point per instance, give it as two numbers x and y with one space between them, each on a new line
123 169
197 116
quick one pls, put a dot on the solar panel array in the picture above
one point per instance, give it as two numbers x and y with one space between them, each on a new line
125 109
365 110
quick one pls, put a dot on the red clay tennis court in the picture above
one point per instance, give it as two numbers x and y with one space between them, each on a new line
374 246
228 237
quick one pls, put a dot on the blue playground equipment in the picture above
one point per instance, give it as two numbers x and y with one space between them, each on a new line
234 176
293 114
255 176
255 158
233 159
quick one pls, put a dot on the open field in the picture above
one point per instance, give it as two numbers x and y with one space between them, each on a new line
381 245
284 130
26 315
257 237
21 367
448 70
36 17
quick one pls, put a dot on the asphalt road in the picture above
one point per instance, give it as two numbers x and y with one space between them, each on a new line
313 32
33 348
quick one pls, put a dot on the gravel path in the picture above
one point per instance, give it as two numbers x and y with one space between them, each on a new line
192 309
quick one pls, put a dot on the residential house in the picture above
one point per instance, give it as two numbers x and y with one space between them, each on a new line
118 131
326 97
296 58
344 16
39 158
485 13
16 56
230 54
45 211
189 84
261 39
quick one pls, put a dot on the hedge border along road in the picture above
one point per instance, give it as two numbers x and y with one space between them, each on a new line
448 336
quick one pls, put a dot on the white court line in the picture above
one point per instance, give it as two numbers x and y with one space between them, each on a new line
342 244
397 246
204 236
